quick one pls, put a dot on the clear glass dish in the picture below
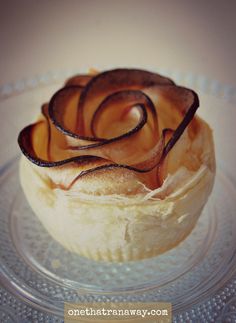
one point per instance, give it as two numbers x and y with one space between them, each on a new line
197 277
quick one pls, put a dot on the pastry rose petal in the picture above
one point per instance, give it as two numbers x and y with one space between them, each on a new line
117 137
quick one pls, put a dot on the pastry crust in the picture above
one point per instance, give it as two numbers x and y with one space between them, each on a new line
117 214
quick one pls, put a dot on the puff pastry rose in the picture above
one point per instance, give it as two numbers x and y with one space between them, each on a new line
117 166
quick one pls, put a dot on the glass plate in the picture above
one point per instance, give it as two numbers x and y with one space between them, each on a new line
197 277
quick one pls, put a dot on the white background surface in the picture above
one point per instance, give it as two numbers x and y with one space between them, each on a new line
189 36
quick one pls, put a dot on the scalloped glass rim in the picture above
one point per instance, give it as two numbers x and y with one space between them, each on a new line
200 82
181 307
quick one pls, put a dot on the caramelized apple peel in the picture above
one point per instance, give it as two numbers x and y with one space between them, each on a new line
118 119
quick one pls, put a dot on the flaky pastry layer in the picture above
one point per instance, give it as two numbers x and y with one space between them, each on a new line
116 226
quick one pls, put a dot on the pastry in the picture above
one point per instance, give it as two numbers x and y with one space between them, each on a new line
117 166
